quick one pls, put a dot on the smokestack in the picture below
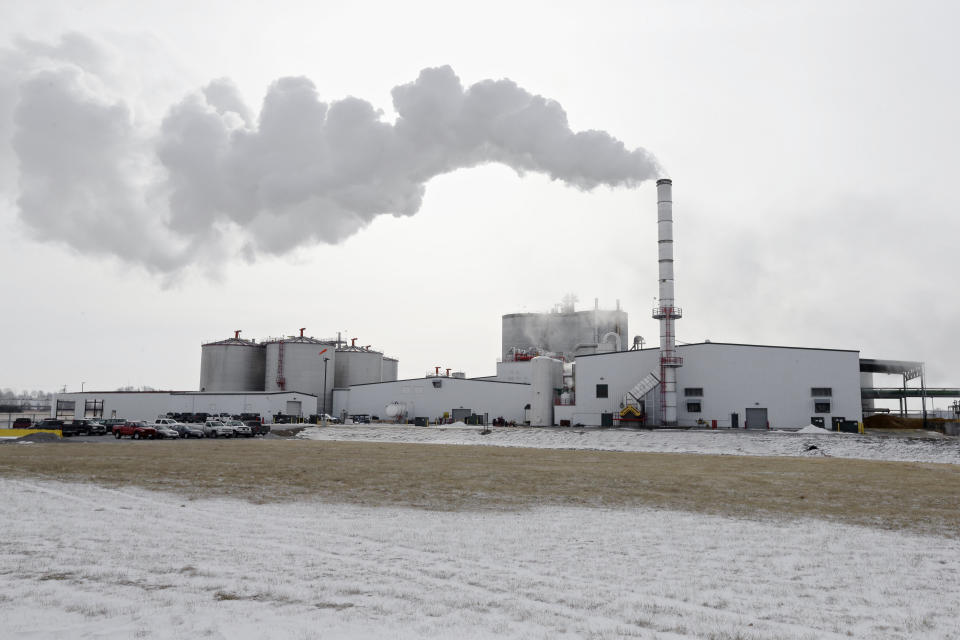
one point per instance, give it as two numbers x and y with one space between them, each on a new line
667 312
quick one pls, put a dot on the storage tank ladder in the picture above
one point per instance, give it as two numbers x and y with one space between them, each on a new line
281 381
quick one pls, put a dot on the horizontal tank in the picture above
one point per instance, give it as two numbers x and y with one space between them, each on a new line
358 365
232 365
297 364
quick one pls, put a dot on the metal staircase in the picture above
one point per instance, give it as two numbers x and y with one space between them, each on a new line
633 397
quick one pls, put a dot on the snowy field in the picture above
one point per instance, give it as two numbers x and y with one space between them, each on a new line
723 442
85 562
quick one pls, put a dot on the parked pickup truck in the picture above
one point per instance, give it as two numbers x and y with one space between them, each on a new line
216 429
240 429
83 427
134 429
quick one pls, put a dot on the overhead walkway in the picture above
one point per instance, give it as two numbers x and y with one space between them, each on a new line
896 393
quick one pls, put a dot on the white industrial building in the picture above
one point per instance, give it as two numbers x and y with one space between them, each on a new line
722 385
435 397
148 405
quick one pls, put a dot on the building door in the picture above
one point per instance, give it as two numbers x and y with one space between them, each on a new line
606 419
462 415
756 418
734 420
293 407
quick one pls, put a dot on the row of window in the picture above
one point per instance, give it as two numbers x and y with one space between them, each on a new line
819 406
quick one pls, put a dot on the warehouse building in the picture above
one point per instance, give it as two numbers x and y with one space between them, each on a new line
148 405
435 397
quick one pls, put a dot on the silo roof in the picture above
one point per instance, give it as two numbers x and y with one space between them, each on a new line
240 342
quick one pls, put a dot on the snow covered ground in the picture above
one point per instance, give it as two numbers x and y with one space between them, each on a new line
80 561
723 442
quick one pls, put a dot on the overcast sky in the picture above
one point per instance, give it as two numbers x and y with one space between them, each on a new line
160 184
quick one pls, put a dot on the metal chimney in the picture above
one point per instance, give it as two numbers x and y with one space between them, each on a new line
666 312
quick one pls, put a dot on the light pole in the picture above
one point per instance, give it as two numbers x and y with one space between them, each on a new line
81 386
323 413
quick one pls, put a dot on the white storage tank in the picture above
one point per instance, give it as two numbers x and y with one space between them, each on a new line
546 375
358 365
296 363
389 371
233 364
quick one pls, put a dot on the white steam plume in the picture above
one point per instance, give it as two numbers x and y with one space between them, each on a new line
302 171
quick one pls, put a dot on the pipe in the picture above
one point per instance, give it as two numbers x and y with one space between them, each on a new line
353 342
436 371
667 312
302 329
236 334
616 339
448 373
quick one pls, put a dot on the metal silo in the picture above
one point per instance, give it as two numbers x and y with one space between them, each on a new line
389 373
358 365
296 363
232 365
546 378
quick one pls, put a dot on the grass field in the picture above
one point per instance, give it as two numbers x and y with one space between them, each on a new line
916 497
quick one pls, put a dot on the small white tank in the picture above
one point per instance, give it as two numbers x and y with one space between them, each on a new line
394 410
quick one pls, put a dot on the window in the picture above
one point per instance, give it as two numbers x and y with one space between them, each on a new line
693 407
821 407
437 384
601 391
821 392
693 392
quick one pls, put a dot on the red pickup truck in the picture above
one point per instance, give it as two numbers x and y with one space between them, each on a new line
134 429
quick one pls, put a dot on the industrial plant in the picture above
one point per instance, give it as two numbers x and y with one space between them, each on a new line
564 367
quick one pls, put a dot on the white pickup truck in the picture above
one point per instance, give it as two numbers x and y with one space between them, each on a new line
216 429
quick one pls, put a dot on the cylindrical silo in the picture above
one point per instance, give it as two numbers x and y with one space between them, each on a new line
867 405
297 363
546 375
232 365
389 371
358 365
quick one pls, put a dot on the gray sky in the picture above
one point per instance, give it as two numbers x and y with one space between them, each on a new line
147 204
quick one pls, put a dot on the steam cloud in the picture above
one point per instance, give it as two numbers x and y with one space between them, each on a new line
91 174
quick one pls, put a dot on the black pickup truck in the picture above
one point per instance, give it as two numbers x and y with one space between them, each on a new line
78 427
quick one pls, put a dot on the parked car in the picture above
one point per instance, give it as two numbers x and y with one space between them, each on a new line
136 429
110 423
216 429
22 423
187 430
165 431
49 423
96 428
240 429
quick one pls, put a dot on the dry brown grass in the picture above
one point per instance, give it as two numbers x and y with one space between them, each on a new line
914 496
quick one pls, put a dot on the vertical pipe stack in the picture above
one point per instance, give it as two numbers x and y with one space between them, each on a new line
666 312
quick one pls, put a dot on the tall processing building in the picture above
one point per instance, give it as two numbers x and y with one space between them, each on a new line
563 331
